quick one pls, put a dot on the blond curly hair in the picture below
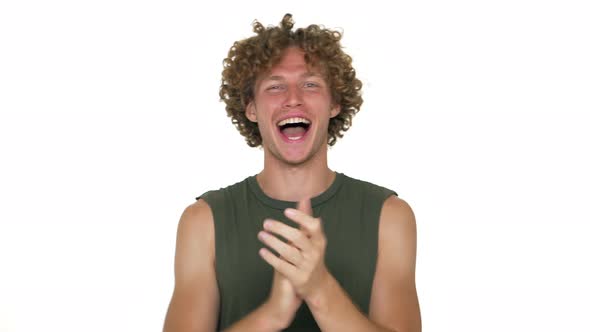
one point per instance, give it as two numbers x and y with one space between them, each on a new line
250 57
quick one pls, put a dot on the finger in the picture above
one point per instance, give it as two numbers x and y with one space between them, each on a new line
310 225
293 235
277 263
286 252
304 206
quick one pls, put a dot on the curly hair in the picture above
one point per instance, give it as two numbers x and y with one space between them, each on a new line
250 57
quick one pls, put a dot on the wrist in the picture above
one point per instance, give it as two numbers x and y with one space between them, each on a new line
271 319
319 298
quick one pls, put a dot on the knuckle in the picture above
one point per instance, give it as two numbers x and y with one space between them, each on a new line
293 251
316 225
298 236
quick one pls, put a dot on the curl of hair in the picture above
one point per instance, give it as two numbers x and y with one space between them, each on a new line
250 57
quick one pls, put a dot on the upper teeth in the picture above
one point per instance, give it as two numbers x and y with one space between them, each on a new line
294 120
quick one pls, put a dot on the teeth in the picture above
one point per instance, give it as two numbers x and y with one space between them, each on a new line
293 120
294 138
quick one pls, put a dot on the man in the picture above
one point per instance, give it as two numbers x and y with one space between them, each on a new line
297 247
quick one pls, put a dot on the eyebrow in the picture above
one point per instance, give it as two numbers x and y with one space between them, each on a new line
282 78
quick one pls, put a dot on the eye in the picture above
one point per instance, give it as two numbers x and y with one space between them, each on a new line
275 87
311 85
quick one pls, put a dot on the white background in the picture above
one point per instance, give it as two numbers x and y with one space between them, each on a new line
475 113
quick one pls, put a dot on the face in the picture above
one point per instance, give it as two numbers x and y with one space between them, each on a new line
292 90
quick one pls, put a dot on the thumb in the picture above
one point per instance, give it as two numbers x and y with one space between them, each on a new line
304 206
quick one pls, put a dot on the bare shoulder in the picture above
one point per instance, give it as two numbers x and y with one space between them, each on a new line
195 300
397 213
198 214
397 236
195 241
394 300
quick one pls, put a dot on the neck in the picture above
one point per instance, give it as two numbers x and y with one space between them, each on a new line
294 182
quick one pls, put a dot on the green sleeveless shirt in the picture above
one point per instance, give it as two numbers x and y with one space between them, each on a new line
349 210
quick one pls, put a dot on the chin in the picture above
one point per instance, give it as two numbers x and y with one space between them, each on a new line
294 153
293 160
287 157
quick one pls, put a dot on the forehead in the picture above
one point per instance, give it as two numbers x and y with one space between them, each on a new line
292 56
292 63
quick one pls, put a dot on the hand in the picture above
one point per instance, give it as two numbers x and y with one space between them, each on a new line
283 302
302 259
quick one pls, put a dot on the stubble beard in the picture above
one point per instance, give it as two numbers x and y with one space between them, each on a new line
275 153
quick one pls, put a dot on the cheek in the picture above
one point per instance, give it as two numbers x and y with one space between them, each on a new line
265 126
266 108
326 125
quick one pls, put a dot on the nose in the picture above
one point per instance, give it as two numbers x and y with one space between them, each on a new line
293 98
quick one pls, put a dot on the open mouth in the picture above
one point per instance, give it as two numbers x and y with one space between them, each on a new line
294 129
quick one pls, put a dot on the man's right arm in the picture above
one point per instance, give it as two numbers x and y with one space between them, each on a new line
195 301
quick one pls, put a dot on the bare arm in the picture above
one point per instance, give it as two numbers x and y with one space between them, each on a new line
195 301
394 302
263 319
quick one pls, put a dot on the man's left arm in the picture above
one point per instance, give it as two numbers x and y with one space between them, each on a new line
394 303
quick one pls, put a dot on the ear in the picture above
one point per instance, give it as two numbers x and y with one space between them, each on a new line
335 110
251 112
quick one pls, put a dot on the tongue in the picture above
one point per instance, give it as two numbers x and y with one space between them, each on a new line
293 132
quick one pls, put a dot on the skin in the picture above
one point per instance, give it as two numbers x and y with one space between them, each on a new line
296 172
293 171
